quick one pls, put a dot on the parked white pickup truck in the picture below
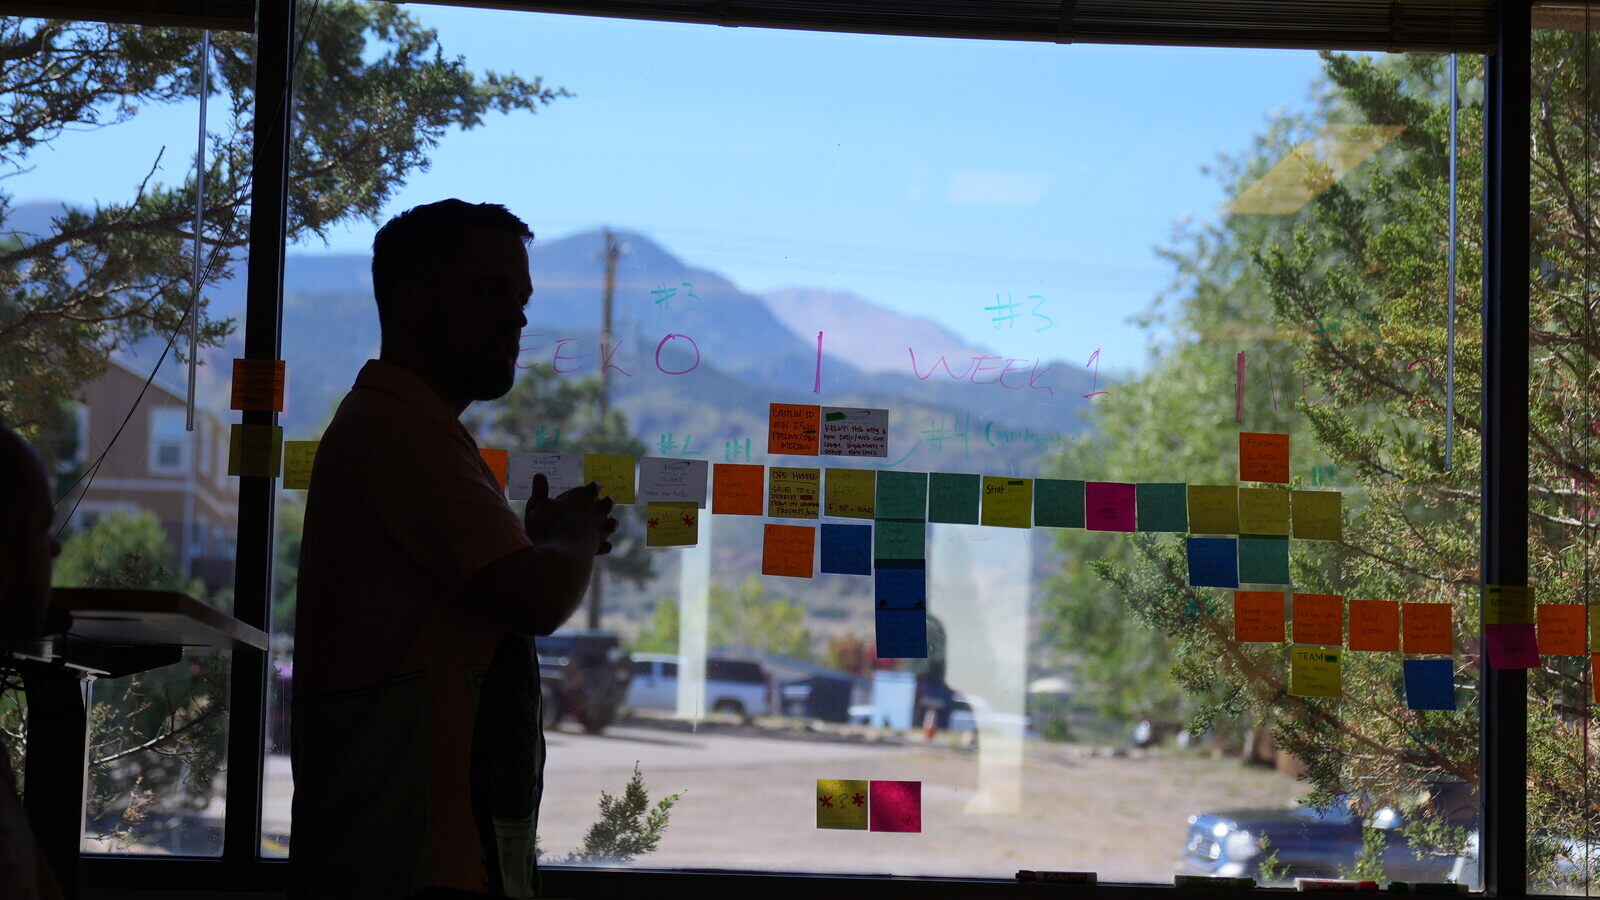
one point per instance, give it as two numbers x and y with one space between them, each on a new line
733 687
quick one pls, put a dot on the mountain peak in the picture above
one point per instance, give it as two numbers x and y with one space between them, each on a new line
806 311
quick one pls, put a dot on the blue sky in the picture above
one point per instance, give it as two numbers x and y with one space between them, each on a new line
935 177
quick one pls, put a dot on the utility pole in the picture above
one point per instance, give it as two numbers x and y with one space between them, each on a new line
597 580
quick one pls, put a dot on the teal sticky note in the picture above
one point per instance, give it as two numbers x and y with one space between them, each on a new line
954 498
1057 503
1162 507
899 539
1263 559
902 495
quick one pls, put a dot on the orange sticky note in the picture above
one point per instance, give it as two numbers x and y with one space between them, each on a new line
1319 619
794 429
1258 616
1264 457
788 550
1374 625
499 461
1563 629
1425 628
258 384
736 489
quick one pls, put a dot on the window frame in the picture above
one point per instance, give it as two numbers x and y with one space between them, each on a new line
159 441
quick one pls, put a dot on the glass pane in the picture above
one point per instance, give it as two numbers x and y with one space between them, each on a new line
1119 285
100 212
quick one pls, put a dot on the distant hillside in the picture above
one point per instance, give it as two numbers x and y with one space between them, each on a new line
805 311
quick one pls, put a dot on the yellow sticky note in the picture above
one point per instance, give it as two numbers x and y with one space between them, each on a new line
850 493
1314 672
1263 511
1213 509
1505 604
297 459
1007 502
793 493
1318 515
614 471
255 450
671 524
841 804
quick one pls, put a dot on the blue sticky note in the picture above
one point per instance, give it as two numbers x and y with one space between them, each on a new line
902 634
1263 559
1430 684
1214 562
847 549
900 584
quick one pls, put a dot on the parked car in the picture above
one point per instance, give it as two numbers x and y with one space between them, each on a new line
733 686
583 675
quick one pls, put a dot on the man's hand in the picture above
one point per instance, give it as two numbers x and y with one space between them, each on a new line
580 515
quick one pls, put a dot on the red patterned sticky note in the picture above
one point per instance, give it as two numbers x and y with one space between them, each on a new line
895 806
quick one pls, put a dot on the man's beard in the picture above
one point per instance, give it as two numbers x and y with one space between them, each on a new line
482 375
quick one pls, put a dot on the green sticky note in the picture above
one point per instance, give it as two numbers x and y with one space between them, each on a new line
902 495
899 539
1263 559
1057 503
954 498
1162 507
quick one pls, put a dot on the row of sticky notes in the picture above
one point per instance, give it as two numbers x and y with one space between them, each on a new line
798 429
1316 672
854 805
1259 616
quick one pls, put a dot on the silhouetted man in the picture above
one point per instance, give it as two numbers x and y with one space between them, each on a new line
415 736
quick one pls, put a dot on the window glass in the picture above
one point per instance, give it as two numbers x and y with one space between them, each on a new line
1217 269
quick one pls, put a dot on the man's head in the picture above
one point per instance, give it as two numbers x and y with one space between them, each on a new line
451 280
26 545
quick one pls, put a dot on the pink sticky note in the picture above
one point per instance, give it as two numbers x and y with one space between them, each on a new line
1511 645
1108 506
895 806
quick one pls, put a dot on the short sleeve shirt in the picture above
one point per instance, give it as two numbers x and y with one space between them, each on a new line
390 656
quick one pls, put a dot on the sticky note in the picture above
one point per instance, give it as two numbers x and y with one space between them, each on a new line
663 480
1374 625
1264 457
258 384
900 584
788 550
499 462
1562 629
1314 672
793 429
562 471
899 539
901 634
793 493
1213 562
1263 511
1504 603
255 450
1213 509
298 457
901 495
1426 628
841 804
736 489
1430 684
896 806
614 472
671 524
1263 559
1318 619
850 493
1258 616
846 549
1511 645
1594 628
1057 503
1108 506
954 498
1007 502
1318 515
855 432
1162 507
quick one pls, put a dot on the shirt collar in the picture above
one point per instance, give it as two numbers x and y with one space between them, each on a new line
392 379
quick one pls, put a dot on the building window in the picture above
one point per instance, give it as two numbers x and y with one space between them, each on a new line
169 442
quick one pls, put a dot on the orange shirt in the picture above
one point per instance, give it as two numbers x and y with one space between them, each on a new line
389 654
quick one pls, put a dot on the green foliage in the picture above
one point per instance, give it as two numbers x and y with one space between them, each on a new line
1271 870
661 634
1368 864
628 827
744 617
122 550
